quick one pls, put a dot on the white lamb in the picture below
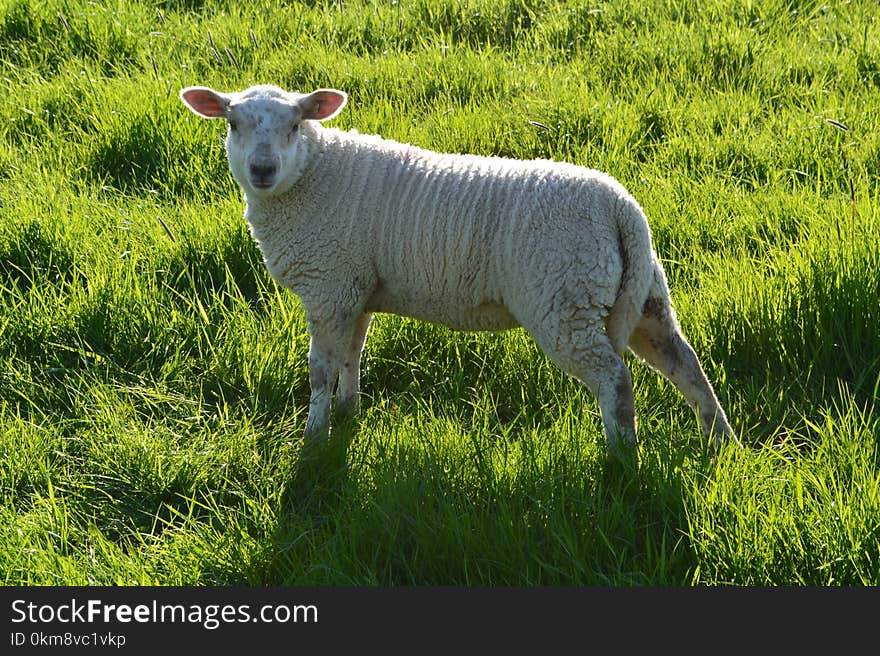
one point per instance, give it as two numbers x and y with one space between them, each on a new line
356 224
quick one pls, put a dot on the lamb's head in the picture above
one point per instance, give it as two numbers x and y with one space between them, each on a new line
263 143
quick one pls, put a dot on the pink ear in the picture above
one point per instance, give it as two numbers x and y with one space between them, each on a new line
323 104
205 102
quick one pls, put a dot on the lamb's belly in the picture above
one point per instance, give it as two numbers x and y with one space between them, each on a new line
485 316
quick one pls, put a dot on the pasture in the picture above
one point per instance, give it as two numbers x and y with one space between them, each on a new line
153 377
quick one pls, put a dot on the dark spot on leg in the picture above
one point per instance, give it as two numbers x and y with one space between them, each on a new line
654 308
317 377
624 409
670 350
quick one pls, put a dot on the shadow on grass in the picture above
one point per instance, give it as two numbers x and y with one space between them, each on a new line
320 478
418 515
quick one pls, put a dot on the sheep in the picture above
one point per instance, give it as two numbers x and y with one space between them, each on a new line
356 224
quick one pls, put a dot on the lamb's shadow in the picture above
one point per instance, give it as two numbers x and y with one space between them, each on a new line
321 472
572 519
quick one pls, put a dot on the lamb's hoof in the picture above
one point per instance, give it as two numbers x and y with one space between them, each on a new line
346 408
718 439
622 457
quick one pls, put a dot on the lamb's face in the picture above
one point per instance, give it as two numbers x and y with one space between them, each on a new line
263 141
264 146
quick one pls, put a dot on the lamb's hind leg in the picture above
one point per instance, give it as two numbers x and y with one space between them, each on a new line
658 340
582 349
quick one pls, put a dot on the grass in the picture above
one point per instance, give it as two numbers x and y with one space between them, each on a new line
153 382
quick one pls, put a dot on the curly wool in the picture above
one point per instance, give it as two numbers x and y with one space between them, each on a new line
471 242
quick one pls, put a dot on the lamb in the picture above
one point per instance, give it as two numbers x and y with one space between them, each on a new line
356 224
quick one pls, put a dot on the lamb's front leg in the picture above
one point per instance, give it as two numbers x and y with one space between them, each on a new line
328 350
350 373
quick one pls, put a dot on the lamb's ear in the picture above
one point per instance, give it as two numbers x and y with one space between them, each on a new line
205 102
322 104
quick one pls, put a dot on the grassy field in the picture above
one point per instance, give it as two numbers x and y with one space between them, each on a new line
153 381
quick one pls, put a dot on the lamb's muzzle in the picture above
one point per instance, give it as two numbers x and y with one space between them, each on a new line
263 169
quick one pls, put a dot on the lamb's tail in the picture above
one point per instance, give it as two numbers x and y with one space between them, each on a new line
634 237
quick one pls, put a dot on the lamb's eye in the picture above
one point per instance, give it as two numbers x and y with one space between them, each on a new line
294 128
233 125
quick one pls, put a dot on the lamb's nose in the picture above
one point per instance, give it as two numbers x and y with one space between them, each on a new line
263 175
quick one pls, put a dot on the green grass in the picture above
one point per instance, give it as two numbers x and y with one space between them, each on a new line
153 381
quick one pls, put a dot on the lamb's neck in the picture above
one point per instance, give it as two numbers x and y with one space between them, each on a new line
269 216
